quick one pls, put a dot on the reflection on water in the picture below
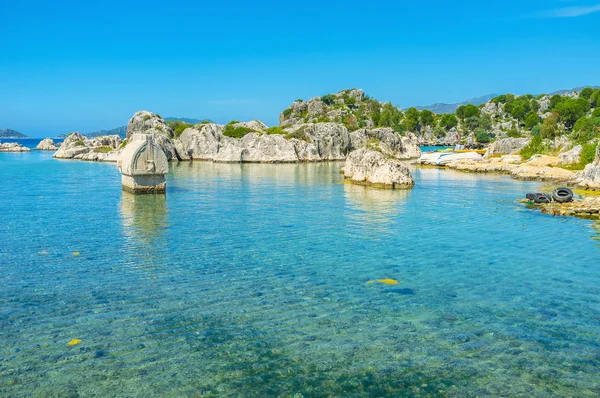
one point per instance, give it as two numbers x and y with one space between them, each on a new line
374 209
144 219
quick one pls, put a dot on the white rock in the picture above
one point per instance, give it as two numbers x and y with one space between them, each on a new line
371 167
47 144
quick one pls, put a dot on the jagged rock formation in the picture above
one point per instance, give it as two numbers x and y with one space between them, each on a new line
350 107
371 167
13 147
571 156
590 176
47 144
144 122
298 143
77 146
506 146
386 141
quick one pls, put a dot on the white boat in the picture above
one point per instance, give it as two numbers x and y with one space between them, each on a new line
442 158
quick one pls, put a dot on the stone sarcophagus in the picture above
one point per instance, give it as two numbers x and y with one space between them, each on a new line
143 165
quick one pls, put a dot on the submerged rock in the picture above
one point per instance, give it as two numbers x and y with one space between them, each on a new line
47 144
370 167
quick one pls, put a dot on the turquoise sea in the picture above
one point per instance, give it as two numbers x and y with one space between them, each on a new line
252 281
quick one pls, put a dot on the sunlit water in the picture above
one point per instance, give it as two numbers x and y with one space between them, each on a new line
251 280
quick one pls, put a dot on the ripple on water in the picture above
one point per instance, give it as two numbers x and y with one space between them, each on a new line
252 280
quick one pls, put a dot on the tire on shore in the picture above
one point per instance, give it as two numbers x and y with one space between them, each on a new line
562 195
540 198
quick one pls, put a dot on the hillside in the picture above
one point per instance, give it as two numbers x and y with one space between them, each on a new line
9 133
120 131
451 108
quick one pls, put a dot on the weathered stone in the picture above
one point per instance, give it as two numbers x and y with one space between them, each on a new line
506 146
572 156
387 141
77 146
371 167
144 122
47 144
143 165
13 147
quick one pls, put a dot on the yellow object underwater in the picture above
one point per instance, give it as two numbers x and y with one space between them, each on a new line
76 253
74 342
385 281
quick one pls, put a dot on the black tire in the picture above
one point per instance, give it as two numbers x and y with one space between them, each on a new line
530 196
562 195
541 198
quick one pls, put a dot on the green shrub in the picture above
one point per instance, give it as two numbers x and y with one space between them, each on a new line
586 93
482 137
328 99
178 127
79 143
467 111
536 130
237 132
287 113
531 120
535 146
350 101
276 130
448 121
123 143
514 133
596 112
572 109
549 128
299 134
103 149
299 100
588 154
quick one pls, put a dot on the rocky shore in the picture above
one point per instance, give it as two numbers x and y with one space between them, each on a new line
587 207
13 147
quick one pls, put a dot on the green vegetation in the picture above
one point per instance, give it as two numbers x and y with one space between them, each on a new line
482 136
448 121
535 146
569 110
79 143
178 127
236 132
103 149
467 111
299 134
123 143
328 99
276 130
287 113
531 120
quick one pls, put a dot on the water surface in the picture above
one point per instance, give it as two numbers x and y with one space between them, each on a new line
251 280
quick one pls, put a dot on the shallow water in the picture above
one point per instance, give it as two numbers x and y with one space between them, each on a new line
251 280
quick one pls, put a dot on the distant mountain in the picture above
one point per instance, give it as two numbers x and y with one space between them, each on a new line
451 108
120 131
189 120
8 133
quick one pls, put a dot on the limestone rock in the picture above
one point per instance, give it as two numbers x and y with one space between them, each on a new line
387 141
47 144
13 147
590 176
452 137
506 146
143 165
572 156
144 122
371 167
77 146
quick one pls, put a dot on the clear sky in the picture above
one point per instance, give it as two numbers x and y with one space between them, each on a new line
83 66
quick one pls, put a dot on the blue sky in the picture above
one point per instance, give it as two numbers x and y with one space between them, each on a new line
67 66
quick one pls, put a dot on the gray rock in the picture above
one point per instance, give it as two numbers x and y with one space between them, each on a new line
572 156
144 122
13 147
373 168
387 141
331 140
506 146
315 107
77 146
47 144
452 137
590 176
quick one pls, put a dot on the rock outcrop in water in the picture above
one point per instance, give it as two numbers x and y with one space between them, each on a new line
77 146
144 122
368 166
47 144
13 147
